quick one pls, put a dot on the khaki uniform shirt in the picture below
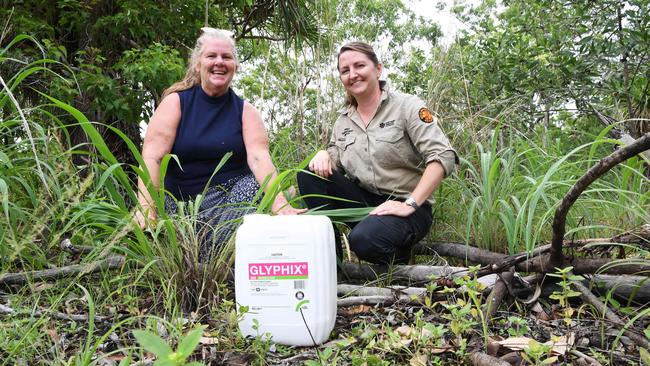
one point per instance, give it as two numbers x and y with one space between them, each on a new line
389 156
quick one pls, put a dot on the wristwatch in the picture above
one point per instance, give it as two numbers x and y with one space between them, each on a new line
412 202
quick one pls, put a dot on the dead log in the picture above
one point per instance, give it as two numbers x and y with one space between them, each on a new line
381 300
469 253
497 294
61 272
537 264
588 360
398 291
483 359
366 295
5 310
411 274
634 288
588 297
587 266
627 288
556 258
638 235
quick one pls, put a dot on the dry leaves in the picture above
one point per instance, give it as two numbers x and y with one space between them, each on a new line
559 346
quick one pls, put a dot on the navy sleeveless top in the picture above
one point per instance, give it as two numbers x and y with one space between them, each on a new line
209 128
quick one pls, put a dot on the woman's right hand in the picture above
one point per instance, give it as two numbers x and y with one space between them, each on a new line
321 164
140 218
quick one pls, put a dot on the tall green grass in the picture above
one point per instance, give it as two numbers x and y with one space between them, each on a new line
509 194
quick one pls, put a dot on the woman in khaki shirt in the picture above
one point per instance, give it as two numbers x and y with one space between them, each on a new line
386 150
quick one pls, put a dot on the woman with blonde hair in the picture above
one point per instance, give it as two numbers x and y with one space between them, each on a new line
200 119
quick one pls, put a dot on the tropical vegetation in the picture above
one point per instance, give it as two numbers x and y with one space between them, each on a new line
531 93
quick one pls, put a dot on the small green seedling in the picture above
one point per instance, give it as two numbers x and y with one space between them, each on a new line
518 326
566 292
166 356
538 354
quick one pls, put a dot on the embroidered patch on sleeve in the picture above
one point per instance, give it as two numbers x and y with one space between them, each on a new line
425 115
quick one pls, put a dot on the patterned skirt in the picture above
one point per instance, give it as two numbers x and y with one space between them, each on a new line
220 212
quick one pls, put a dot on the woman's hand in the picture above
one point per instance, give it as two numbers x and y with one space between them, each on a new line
140 218
282 207
395 208
321 164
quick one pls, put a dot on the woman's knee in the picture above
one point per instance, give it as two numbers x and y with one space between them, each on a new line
371 245
303 177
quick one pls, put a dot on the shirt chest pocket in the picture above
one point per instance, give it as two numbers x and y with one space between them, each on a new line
392 146
391 134
344 143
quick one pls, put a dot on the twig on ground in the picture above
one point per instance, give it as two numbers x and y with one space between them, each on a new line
588 297
57 315
483 359
589 360
366 300
413 274
67 246
397 291
56 273
497 294
364 295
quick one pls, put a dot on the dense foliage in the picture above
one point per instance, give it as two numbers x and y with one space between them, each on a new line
532 94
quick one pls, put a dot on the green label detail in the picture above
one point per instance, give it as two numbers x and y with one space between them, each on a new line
281 278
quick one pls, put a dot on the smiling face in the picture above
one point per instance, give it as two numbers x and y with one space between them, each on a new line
217 66
359 75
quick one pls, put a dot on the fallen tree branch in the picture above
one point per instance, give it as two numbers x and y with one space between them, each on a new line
399 291
588 297
588 360
67 246
556 258
56 273
5 310
635 288
533 264
483 359
382 300
364 295
497 294
462 251
414 274
627 288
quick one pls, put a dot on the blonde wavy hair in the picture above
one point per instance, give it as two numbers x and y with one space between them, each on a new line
192 74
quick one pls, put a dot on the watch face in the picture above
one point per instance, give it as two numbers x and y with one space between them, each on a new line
411 202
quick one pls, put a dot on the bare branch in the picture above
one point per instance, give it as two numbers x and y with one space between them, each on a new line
590 298
559 221
56 273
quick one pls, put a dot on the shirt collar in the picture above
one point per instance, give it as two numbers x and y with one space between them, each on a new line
349 109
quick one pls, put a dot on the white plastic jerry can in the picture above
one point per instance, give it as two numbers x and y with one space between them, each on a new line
285 274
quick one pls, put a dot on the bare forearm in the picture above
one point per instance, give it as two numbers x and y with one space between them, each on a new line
431 178
262 168
153 167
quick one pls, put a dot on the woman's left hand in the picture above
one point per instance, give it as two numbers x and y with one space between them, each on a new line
282 207
288 210
395 208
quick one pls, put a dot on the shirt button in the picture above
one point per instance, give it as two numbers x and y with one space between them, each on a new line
364 149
